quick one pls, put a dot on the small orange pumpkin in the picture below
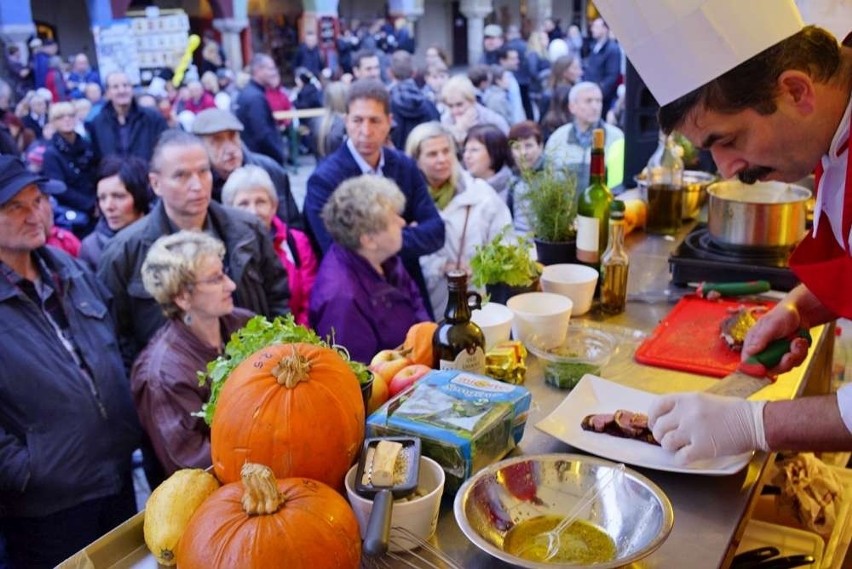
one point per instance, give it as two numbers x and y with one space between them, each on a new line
262 522
294 407
418 340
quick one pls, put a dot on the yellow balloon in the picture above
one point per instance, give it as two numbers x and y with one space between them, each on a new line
191 45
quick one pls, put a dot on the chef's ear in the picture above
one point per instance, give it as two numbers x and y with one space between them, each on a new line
797 88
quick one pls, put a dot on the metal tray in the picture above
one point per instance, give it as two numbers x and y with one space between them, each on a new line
124 547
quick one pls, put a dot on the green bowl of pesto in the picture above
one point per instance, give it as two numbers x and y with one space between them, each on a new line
584 350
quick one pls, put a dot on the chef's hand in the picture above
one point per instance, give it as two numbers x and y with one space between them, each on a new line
698 425
781 322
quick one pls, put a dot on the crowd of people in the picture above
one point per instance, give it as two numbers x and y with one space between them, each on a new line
189 226
171 220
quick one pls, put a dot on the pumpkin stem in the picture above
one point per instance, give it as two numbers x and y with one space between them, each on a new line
291 370
261 494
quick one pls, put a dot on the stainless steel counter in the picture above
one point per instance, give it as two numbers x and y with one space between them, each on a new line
710 512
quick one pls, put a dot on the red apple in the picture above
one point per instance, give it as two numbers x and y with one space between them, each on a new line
388 362
406 376
379 395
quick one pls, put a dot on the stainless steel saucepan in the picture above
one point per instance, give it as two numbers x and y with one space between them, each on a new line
765 215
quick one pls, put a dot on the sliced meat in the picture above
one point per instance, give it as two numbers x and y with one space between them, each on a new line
622 423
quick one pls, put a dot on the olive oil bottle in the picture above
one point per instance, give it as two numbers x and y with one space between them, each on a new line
593 207
614 264
458 343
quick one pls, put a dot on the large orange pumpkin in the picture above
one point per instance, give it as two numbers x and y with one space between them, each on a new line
262 522
294 407
419 341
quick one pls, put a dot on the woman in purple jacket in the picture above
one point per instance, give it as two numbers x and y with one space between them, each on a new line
362 293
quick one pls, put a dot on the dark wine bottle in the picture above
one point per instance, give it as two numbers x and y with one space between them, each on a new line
458 343
593 208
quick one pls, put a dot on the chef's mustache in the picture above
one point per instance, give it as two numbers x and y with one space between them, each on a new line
752 175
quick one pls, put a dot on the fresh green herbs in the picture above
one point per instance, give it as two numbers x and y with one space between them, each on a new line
505 259
566 375
550 202
256 334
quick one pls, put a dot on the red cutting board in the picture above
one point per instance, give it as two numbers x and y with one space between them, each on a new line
687 339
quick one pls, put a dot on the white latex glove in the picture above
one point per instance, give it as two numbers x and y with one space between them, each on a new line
698 425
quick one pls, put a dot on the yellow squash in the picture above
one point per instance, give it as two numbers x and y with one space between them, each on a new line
170 507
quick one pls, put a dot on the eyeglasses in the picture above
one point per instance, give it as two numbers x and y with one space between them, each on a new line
217 280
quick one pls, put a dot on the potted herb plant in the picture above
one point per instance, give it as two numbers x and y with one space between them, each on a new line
504 266
548 196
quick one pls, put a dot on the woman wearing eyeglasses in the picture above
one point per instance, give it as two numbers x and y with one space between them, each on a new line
185 275
69 157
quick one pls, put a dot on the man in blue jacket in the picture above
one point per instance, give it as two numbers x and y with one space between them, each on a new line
368 123
261 133
67 421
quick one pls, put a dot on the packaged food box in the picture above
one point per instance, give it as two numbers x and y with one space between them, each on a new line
465 421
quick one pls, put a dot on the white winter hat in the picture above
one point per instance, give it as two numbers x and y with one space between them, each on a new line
680 45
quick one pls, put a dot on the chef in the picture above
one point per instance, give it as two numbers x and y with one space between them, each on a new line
770 99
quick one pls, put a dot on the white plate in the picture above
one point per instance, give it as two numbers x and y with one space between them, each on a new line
596 395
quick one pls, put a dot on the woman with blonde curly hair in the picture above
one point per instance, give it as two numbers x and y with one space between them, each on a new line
362 293
185 275
472 211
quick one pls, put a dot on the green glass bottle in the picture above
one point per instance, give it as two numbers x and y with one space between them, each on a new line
593 208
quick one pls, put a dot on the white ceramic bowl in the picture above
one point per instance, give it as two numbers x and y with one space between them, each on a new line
544 314
495 319
418 515
577 282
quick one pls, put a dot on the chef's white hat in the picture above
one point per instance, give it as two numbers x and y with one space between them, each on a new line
680 45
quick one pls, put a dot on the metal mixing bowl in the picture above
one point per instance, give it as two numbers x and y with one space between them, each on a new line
634 511
695 184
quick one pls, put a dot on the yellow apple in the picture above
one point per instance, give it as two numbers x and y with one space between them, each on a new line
388 362
379 395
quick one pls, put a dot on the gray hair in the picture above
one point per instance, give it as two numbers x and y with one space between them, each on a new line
580 88
247 177
359 207
425 131
172 137
171 265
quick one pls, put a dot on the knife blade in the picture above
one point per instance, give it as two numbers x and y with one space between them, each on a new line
750 375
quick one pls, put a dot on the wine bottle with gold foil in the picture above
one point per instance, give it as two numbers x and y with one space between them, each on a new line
593 208
458 343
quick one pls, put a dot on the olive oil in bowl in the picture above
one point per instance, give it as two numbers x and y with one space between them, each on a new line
581 543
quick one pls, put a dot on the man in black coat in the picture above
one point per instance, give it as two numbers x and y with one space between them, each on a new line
253 110
409 105
602 64
220 132
123 127
181 177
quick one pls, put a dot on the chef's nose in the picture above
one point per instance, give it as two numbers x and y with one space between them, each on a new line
727 161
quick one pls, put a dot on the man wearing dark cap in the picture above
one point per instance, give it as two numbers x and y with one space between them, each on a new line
67 421
220 130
